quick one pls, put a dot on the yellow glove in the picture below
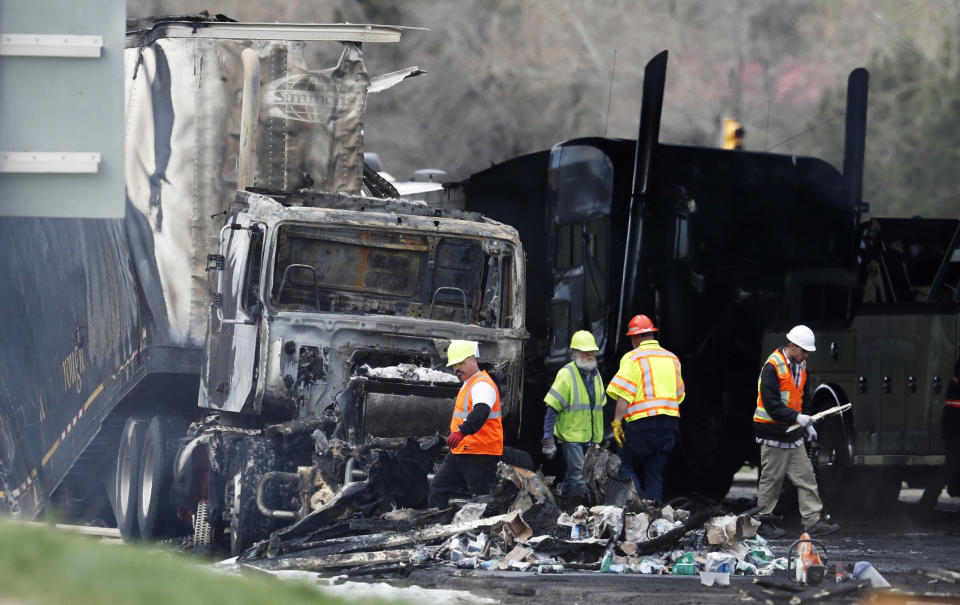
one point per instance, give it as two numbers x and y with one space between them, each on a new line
618 432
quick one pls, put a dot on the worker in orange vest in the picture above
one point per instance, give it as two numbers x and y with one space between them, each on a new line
782 450
649 389
476 430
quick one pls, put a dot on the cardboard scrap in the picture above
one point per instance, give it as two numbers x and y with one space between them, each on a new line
520 553
514 530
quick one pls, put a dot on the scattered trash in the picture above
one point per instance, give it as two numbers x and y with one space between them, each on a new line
685 565
721 562
361 527
840 575
636 526
471 511
864 570
709 578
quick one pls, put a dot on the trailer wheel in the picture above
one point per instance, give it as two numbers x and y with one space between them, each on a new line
127 478
156 514
256 456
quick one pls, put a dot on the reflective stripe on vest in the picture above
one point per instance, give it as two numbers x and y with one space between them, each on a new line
791 393
648 399
578 405
579 421
489 439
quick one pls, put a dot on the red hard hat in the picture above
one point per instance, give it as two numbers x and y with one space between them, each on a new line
640 324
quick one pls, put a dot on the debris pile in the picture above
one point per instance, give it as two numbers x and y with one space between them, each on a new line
364 527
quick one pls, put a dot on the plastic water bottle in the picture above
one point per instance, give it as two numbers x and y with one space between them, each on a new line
863 570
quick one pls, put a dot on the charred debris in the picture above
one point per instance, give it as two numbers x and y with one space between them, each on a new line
362 512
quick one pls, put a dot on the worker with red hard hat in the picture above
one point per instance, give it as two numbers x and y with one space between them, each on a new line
648 389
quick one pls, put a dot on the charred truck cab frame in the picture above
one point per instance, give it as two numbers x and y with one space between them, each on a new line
311 300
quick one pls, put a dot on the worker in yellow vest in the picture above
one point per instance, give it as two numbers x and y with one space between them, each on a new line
782 450
574 414
476 430
649 389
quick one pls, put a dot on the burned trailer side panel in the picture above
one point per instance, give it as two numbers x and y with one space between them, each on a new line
73 346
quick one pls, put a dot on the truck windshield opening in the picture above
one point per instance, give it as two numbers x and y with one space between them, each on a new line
364 271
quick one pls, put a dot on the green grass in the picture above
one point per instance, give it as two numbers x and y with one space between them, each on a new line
39 564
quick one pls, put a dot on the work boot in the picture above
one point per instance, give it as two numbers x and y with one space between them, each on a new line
769 530
822 528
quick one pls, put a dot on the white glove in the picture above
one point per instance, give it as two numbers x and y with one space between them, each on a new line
811 432
804 420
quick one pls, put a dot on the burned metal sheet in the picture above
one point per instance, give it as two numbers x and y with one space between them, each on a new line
182 135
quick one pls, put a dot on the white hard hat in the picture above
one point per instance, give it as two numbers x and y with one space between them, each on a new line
802 336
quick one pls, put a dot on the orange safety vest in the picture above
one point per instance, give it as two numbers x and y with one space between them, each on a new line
791 393
489 439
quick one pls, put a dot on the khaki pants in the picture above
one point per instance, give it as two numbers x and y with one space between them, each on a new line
777 463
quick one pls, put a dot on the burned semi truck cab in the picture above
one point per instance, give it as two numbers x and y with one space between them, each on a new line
318 294
329 322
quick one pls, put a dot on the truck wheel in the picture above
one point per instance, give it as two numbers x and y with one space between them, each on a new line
834 451
256 456
127 478
156 514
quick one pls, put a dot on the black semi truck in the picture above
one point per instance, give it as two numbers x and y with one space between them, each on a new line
726 250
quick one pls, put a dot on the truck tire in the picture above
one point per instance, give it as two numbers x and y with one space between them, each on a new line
127 477
515 457
256 456
833 461
156 514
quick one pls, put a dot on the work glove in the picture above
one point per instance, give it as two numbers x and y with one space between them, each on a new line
454 439
549 448
811 432
618 432
804 420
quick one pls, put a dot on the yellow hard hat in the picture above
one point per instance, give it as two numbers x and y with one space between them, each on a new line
583 341
460 350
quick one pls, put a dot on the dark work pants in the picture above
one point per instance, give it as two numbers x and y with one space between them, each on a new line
475 472
643 456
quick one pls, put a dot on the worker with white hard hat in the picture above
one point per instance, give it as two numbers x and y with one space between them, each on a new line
783 453
476 430
574 413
